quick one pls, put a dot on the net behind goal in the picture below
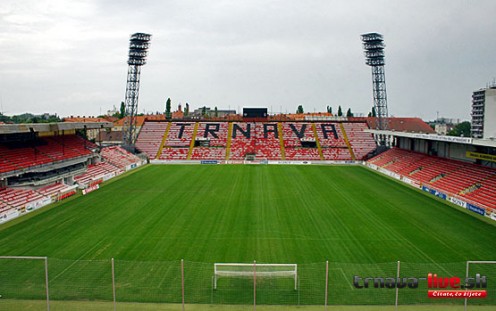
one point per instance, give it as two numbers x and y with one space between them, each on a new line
254 271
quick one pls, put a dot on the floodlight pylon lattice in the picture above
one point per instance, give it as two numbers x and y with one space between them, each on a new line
373 45
138 50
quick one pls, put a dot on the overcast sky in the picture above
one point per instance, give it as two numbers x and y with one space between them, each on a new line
70 57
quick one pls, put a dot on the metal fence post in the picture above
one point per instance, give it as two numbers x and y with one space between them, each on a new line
113 284
182 281
466 276
254 285
326 284
46 284
397 289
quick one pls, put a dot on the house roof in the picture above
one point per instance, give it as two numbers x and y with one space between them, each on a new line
412 125
141 119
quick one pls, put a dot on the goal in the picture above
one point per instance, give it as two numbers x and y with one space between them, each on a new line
256 161
482 271
255 270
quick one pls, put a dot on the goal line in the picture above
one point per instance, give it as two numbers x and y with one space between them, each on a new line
255 270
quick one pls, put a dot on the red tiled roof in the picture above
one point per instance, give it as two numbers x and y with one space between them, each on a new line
141 119
415 125
85 119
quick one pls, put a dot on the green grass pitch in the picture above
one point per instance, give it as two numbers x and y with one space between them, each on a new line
359 221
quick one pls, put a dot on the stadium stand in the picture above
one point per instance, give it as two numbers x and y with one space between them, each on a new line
119 157
267 143
465 180
300 142
336 141
98 171
150 137
57 191
241 140
19 158
211 141
42 151
484 192
18 198
361 142
37 171
332 142
178 141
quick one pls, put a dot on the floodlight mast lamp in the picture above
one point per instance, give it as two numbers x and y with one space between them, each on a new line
138 50
373 45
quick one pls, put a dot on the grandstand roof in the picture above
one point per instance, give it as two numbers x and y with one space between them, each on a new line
51 127
436 137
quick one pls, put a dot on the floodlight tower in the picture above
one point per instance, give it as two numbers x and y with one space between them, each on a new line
373 45
138 50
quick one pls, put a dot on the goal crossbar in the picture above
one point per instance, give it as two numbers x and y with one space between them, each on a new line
246 270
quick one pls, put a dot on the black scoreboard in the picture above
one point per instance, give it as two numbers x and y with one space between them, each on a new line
255 113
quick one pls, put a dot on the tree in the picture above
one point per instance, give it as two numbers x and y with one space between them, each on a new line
122 113
369 115
340 111
329 109
300 109
204 111
374 114
216 112
4 118
168 109
349 113
186 110
461 129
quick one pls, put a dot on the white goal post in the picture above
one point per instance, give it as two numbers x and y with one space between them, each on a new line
255 270
467 272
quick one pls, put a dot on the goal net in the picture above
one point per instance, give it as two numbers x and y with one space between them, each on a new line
256 161
255 271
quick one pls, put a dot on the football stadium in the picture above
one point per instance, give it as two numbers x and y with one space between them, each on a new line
249 210
237 215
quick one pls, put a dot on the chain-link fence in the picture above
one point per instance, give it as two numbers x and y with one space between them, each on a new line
40 283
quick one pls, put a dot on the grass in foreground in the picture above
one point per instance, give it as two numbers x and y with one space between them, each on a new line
36 305
148 221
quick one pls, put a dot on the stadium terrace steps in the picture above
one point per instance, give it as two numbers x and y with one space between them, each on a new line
229 139
118 157
317 141
450 176
17 197
241 140
96 171
193 141
347 142
485 193
115 161
44 150
178 139
263 140
362 143
281 140
164 138
293 136
150 137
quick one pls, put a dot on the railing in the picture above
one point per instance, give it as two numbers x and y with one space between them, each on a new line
29 281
